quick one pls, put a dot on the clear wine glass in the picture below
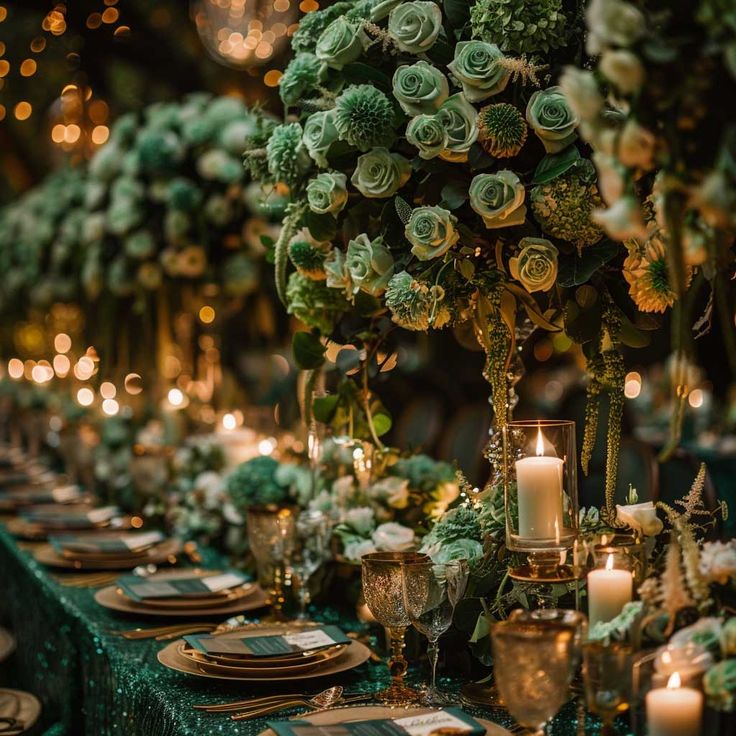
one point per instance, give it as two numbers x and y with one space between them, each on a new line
431 592
312 551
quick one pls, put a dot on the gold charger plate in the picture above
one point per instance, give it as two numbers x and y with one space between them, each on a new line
157 555
22 706
243 660
35 530
353 655
109 598
336 716
210 601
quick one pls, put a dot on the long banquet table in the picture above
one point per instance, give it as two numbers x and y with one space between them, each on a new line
94 683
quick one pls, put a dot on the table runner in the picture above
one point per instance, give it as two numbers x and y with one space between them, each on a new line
94 683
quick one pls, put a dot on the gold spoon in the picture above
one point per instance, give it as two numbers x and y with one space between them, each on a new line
325 699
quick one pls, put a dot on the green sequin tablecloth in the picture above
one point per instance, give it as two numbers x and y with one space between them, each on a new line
94 683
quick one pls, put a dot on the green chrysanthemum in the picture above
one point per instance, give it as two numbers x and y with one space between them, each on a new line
502 130
300 78
287 157
364 117
416 305
564 205
307 260
531 27
312 25
314 303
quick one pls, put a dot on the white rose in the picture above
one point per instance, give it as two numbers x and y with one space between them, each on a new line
636 146
612 23
623 220
718 561
393 537
641 517
357 548
210 485
623 69
362 520
394 491
610 179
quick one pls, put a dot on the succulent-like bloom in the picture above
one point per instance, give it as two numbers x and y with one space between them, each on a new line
564 206
303 74
498 198
477 69
364 117
551 118
380 173
460 121
319 134
536 265
428 134
327 193
409 302
313 302
370 264
340 43
431 231
415 25
502 130
420 88
288 159
308 260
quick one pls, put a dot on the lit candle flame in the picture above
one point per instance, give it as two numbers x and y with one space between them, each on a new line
674 682
609 562
540 442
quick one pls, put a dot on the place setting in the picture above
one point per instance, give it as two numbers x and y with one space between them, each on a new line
44 520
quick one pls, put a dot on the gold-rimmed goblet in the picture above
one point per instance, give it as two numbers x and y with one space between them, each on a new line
383 592
271 537
607 674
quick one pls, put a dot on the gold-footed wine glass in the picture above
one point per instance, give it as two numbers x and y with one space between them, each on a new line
607 674
383 592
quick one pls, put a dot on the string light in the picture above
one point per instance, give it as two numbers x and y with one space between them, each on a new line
207 315
110 407
62 365
62 343
85 396
229 421
108 390
176 397
23 110
15 368
28 68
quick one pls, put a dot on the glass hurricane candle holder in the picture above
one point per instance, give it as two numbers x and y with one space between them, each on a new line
629 553
541 496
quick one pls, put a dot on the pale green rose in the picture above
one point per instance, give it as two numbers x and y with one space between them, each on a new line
370 264
431 231
319 134
340 43
552 119
327 193
477 69
536 265
380 173
381 8
336 271
415 25
498 198
428 134
460 121
420 88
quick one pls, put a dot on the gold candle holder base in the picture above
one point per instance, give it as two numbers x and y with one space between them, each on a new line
543 567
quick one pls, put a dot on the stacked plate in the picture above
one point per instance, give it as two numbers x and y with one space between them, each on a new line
183 593
16 497
108 550
229 656
39 522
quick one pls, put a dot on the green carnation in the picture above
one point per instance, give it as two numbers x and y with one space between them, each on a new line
253 483
431 231
420 88
380 173
364 117
327 193
340 43
563 207
498 198
427 133
533 27
476 66
139 245
308 260
288 159
536 265
319 134
415 25
314 303
460 121
502 130
369 264
551 118
301 77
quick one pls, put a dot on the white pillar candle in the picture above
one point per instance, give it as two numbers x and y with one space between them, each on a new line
539 494
609 591
674 710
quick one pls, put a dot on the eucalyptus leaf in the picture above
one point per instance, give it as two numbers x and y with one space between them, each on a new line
321 227
454 194
348 359
555 164
457 12
359 73
309 352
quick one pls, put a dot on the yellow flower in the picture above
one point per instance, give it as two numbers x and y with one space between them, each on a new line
647 273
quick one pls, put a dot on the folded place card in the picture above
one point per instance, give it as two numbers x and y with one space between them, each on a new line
139 589
71 519
445 722
270 646
90 543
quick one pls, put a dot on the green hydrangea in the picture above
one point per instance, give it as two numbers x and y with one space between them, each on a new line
314 303
459 523
307 260
300 78
364 117
563 206
312 25
533 27
253 483
502 130
414 304
286 154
